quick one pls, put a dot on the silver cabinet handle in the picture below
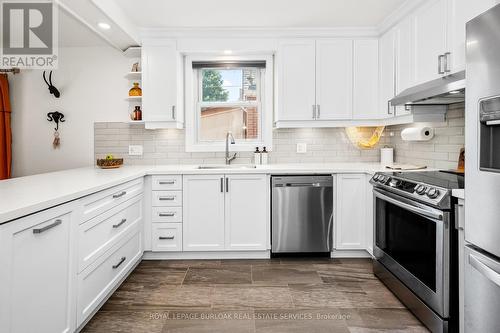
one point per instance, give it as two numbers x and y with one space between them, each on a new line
173 112
166 214
389 108
318 111
47 227
116 196
440 64
485 270
166 198
314 111
227 184
447 62
163 237
119 263
222 185
119 224
167 183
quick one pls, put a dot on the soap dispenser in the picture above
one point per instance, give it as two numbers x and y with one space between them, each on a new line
264 156
256 156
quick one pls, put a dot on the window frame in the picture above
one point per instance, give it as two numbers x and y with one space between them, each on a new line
193 102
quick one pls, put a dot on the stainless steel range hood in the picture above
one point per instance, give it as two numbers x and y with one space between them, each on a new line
443 91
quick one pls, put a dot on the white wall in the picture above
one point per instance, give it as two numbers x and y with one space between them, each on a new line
93 88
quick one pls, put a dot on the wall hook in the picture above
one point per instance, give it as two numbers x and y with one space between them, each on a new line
56 117
52 89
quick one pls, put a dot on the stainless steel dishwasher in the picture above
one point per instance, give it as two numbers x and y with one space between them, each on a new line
302 214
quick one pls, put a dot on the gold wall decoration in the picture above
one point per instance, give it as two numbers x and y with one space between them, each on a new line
364 137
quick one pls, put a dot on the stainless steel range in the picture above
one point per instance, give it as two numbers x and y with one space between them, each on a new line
416 243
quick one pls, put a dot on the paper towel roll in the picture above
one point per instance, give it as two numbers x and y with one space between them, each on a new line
417 134
386 156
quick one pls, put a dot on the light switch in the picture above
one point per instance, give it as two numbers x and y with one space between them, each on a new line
135 150
301 148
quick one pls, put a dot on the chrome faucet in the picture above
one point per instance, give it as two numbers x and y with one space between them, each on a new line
229 158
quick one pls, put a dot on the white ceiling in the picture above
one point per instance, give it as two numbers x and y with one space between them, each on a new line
257 13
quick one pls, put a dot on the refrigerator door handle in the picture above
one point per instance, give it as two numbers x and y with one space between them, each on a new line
484 269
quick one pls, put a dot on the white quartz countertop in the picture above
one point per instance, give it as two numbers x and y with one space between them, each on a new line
27 195
458 193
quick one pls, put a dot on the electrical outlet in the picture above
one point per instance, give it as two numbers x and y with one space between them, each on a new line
301 148
135 150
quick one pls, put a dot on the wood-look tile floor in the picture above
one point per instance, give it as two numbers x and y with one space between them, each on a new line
277 295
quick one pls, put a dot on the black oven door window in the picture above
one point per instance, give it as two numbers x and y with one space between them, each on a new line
408 238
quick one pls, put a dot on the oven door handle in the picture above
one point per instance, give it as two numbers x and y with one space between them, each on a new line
411 208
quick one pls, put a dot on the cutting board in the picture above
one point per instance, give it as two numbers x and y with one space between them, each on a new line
402 167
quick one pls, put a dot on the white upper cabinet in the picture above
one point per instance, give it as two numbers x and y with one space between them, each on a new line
461 12
162 100
366 76
430 29
387 73
404 61
334 60
327 81
296 79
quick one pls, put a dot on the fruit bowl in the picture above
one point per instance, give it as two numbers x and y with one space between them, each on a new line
109 163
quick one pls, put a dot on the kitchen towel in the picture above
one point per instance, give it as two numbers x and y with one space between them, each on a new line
5 129
417 134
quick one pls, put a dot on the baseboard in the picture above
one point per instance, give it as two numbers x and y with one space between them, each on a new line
148 255
350 254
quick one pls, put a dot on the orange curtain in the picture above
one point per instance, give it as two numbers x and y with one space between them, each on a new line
5 130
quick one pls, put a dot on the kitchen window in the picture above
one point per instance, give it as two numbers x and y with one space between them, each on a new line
228 95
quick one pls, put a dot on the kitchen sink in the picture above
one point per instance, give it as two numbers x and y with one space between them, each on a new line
226 166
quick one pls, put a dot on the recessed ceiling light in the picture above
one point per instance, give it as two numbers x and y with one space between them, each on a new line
228 51
454 92
104 26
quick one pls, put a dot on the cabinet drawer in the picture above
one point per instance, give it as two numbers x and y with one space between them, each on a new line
166 183
95 282
100 233
167 237
167 214
100 202
167 198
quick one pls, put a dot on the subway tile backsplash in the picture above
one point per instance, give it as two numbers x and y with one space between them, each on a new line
167 146
442 151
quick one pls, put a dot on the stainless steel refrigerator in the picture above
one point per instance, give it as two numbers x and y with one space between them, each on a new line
482 178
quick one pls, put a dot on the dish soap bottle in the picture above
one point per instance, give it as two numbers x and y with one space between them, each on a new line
256 156
264 156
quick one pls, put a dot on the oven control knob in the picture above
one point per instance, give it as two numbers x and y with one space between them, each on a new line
420 189
381 178
433 193
395 182
376 177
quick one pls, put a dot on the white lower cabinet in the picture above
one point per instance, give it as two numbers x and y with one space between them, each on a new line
203 215
167 237
38 272
101 277
225 212
350 212
246 210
